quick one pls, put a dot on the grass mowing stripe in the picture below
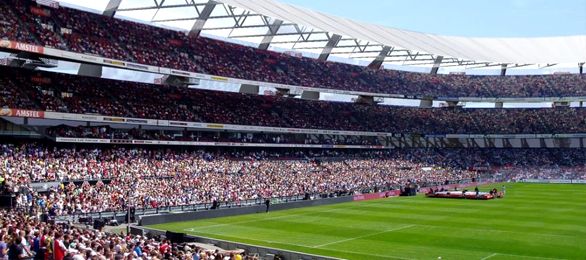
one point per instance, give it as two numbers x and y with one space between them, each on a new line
259 219
364 236
455 221
534 221
389 256
354 222
334 250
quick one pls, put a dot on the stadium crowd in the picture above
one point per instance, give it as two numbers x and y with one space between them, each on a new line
24 236
97 179
171 178
90 33
84 95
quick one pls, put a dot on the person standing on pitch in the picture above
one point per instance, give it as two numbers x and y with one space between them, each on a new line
268 204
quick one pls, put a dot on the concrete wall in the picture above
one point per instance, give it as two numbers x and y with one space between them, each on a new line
262 251
90 70
310 95
249 89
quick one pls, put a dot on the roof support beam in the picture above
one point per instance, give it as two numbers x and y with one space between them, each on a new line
503 69
273 29
303 35
159 6
436 64
203 17
111 8
325 53
378 61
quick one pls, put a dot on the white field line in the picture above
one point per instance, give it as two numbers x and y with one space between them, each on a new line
372 234
367 235
369 254
279 217
273 248
528 256
384 256
334 250
502 231
487 257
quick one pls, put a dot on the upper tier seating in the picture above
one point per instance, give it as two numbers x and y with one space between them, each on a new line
46 91
84 32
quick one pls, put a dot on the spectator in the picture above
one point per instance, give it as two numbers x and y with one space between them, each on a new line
73 94
89 33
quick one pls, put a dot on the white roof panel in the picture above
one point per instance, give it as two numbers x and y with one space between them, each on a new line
538 50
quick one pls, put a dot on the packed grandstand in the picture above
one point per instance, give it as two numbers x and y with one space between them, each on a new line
164 178
79 95
89 173
89 33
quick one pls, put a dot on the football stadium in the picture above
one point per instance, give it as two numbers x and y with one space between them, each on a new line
262 129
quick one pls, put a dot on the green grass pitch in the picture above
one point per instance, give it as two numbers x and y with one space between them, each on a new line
534 221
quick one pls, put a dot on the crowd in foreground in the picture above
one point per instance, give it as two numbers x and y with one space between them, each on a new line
98 179
24 236
90 33
44 91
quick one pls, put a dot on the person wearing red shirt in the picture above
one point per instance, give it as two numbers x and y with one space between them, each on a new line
59 248
165 248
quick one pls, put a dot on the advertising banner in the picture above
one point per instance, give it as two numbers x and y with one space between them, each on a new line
190 143
378 195
553 181
115 62
22 46
21 113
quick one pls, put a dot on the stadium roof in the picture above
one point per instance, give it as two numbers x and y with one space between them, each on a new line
271 23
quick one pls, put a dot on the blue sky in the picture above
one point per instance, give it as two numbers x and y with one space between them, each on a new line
478 18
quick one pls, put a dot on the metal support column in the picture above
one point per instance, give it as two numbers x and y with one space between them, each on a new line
111 8
503 69
202 19
380 59
273 29
436 64
325 53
